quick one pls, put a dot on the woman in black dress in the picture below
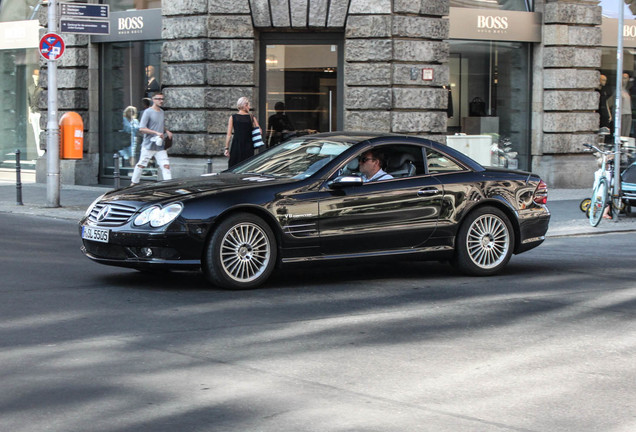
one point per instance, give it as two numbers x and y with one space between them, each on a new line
241 124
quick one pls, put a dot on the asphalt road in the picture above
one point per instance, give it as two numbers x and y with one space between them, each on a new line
549 345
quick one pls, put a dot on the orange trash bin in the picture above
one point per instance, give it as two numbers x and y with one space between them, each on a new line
71 136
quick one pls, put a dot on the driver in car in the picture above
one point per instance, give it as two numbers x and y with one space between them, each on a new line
370 164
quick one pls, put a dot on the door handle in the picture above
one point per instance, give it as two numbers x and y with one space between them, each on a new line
428 192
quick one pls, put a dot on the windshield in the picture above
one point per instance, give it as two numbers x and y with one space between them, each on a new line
298 158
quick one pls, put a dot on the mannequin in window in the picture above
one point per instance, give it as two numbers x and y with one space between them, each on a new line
604 103
626 108
280 125
152 85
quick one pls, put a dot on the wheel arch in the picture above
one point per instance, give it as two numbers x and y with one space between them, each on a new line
500 204
266 216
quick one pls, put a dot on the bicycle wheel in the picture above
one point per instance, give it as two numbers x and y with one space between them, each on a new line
585 205
617 204
599 199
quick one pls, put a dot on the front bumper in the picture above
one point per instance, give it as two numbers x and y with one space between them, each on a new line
135 249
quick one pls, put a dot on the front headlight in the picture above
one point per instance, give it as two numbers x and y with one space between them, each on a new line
158 216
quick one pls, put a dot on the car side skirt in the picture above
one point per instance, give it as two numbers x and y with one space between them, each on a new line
437 250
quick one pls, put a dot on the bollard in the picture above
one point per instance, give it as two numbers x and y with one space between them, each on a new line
18 179
116 170
209 166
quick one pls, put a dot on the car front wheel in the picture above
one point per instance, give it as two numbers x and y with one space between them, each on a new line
241 254
484 242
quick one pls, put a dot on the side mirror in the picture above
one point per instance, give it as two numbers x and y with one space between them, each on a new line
345 181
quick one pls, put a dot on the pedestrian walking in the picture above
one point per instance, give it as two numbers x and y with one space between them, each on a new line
239 131
154 132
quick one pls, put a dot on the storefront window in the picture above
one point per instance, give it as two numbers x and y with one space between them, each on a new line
513 5
489 117
611 8
125 5
131 72
301 87
607 88
19 84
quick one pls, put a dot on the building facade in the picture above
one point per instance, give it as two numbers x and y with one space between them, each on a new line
511 82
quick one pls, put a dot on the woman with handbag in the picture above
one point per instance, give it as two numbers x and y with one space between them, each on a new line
241 125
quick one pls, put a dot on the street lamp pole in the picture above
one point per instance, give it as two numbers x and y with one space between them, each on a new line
618 103
52 127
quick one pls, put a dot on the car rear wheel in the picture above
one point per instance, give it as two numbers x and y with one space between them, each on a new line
241 254
484 242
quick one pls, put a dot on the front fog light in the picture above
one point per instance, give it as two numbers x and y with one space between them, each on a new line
147 252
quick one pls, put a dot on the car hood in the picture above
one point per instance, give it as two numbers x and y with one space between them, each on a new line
195 186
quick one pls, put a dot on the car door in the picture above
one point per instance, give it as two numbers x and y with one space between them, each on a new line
391 215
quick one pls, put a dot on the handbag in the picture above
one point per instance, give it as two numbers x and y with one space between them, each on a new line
477 107
167 142
257 138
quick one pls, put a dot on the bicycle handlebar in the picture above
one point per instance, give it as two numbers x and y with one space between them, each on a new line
605 152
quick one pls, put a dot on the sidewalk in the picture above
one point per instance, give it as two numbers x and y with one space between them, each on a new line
566 220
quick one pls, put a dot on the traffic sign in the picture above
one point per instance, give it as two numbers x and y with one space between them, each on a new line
51 46
84 10
85 26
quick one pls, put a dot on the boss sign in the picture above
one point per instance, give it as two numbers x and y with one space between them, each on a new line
130 23
492 22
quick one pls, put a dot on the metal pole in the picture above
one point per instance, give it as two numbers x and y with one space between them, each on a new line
116 170
209 166
618 104
18 178
52 127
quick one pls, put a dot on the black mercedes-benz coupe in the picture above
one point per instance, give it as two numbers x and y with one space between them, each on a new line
305 200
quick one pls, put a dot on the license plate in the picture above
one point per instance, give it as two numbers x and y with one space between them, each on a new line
95 234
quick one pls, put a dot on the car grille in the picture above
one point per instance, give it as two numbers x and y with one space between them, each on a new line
115 215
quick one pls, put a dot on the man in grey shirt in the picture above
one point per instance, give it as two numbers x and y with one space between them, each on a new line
153 130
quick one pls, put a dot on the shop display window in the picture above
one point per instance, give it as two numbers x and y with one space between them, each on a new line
19 91
302 87
19 112
489 102
124 5
607 90
130 74
512 5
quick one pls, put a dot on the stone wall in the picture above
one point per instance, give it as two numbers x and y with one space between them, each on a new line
571 56
387 45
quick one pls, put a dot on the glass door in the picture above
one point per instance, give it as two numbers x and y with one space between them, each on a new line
130 73
302 88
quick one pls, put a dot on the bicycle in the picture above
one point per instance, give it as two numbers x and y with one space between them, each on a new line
602 190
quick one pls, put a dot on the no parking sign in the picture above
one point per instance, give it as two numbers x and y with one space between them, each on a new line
51 46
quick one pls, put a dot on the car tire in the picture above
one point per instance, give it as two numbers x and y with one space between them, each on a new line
484 242
241 253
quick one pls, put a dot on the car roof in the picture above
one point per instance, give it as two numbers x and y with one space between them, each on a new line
352 137
357 137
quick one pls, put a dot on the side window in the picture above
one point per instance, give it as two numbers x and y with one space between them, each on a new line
439 163
398 160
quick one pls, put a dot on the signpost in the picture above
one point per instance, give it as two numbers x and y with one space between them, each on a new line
85 18
51 48
84 10
93 19
85 26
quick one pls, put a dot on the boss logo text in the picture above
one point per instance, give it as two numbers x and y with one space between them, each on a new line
492 22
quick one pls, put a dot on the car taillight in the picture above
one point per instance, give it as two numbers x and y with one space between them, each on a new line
541 193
